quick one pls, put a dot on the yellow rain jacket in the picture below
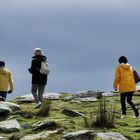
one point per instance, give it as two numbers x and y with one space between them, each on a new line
6 82
124 79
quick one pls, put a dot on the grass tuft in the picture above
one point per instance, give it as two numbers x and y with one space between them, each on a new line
105 115
45 108
104 118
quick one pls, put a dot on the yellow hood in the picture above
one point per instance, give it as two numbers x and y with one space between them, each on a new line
3 70
125 66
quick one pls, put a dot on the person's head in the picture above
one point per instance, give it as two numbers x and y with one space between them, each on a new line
2 64
122 59
38 51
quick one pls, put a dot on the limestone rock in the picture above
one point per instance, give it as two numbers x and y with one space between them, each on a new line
88 99
42 135
10 105
46 125
30 98
72 113
2 138
9 126
111 135
90 93
7 107
79 135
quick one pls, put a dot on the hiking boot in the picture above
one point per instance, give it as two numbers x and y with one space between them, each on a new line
2 99
136 113
134 117
38 105
123 116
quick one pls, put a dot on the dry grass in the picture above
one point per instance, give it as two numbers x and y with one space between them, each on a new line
104 117
45 108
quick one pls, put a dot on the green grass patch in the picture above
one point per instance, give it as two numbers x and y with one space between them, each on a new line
51 111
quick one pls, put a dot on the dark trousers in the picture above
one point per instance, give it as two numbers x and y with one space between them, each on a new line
3 94
128 96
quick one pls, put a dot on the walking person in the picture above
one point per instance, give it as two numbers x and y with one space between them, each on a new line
124 82
39 80
6 81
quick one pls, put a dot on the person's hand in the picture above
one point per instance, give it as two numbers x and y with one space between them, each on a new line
29 70
10 91
115 89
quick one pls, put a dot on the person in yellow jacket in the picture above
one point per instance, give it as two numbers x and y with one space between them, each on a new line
6 81
125 84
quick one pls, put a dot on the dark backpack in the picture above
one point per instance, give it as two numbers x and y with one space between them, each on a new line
136 76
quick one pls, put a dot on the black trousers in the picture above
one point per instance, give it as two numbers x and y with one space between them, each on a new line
128 96
3 94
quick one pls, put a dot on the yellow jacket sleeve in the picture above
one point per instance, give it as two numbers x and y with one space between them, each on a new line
117 78
11 82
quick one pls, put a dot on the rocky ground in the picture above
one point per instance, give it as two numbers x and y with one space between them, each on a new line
66 117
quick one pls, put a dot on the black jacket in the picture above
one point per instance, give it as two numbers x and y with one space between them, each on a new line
37 77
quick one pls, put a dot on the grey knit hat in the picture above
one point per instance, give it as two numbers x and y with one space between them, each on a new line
38 51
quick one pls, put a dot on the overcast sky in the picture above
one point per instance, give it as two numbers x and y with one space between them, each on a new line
82 40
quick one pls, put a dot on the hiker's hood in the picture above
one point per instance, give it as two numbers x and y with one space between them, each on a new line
125 66
3 70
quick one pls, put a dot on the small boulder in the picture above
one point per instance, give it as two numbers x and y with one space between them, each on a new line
111 135
7 107
90 93
29 97
9 126
79 135
3 138
46 125
72 113
10 105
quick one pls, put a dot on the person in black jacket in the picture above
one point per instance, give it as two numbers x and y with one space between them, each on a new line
39 80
